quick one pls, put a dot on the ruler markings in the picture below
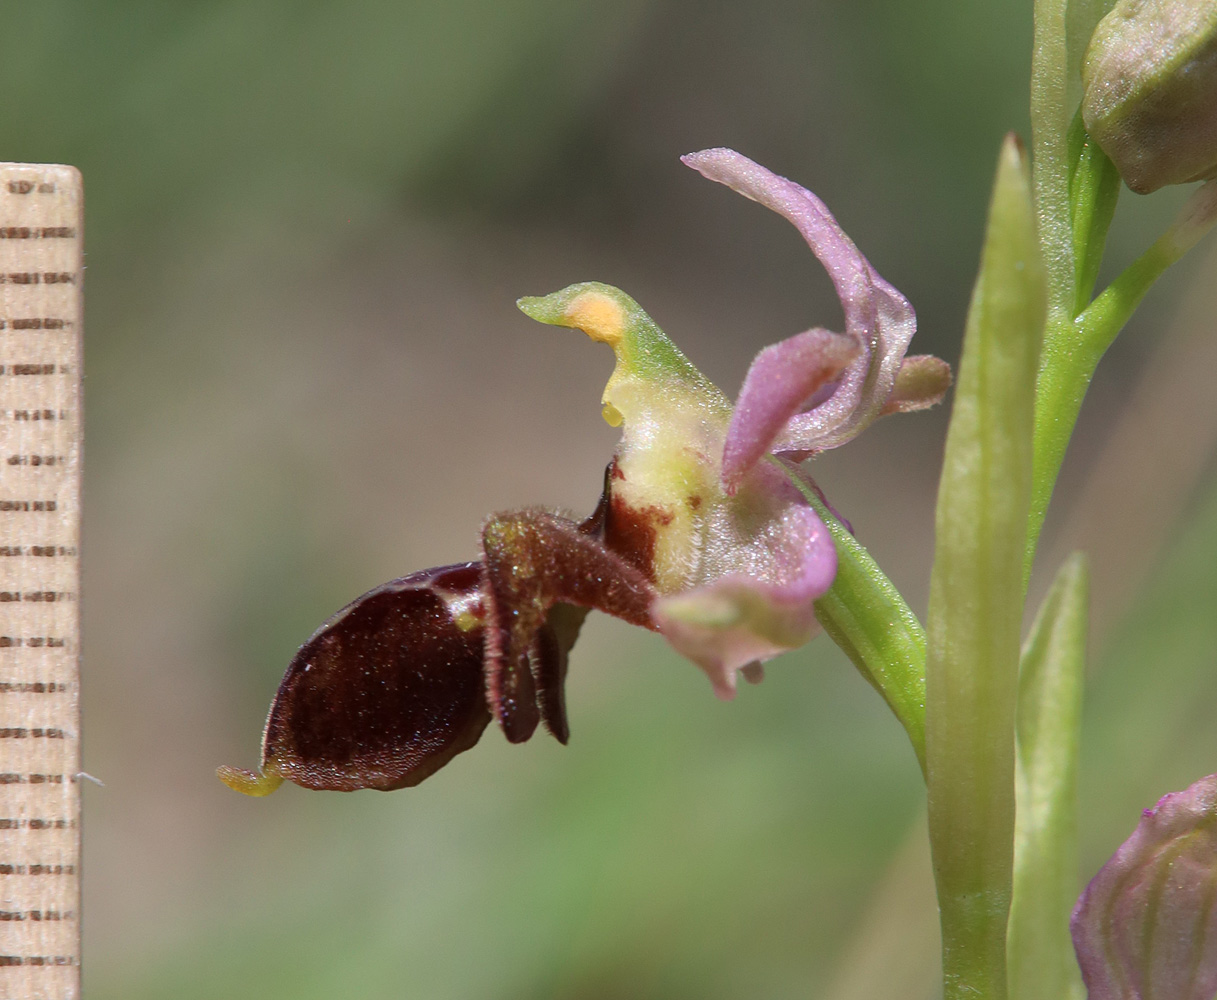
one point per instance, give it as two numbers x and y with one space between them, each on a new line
40 452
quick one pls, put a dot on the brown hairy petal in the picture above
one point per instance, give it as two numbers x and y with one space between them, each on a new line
512 691
532 560
387 691
548 656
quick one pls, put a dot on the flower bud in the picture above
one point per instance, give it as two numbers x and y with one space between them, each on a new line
1146 926
1150 101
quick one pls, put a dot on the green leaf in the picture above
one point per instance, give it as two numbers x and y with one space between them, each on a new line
976 593
865 615
1039 948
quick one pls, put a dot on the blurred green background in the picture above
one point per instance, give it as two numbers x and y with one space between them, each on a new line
307 226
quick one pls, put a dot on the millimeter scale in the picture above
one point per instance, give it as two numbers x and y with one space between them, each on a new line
41 215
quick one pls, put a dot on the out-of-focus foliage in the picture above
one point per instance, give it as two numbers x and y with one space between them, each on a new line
307 226
1147 726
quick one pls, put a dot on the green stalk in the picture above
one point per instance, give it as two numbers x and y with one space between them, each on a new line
976 594
1072 352
1039 948
1050 146
865 615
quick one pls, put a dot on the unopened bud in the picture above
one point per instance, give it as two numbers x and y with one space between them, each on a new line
1150 77
1146 926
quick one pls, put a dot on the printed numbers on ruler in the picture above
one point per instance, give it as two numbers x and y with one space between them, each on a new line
40 459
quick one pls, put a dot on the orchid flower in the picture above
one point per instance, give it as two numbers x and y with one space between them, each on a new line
1146 926
700 534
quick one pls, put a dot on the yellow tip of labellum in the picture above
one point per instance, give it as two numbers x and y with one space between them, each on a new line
248 782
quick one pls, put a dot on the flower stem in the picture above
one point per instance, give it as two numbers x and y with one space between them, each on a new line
976 594
865 615
1050 145
1072 350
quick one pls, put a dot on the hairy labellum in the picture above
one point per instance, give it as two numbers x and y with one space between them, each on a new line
384 693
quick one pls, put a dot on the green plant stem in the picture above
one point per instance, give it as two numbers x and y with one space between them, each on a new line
1072 350
865 615
976 595
1070 355
1051 675
1050 148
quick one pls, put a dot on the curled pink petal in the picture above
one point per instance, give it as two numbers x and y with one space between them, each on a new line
850 273
875 313
762 590
1146 926
779 383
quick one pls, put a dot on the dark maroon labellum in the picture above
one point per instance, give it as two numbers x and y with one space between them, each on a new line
388 690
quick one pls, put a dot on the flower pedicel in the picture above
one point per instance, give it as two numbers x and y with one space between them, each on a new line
700 534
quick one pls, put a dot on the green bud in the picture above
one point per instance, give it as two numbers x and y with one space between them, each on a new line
1150 101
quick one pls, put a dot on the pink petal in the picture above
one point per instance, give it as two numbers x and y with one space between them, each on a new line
763 586
875 313
1146 926
779 383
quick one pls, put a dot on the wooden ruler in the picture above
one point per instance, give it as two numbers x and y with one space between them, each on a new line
40 463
